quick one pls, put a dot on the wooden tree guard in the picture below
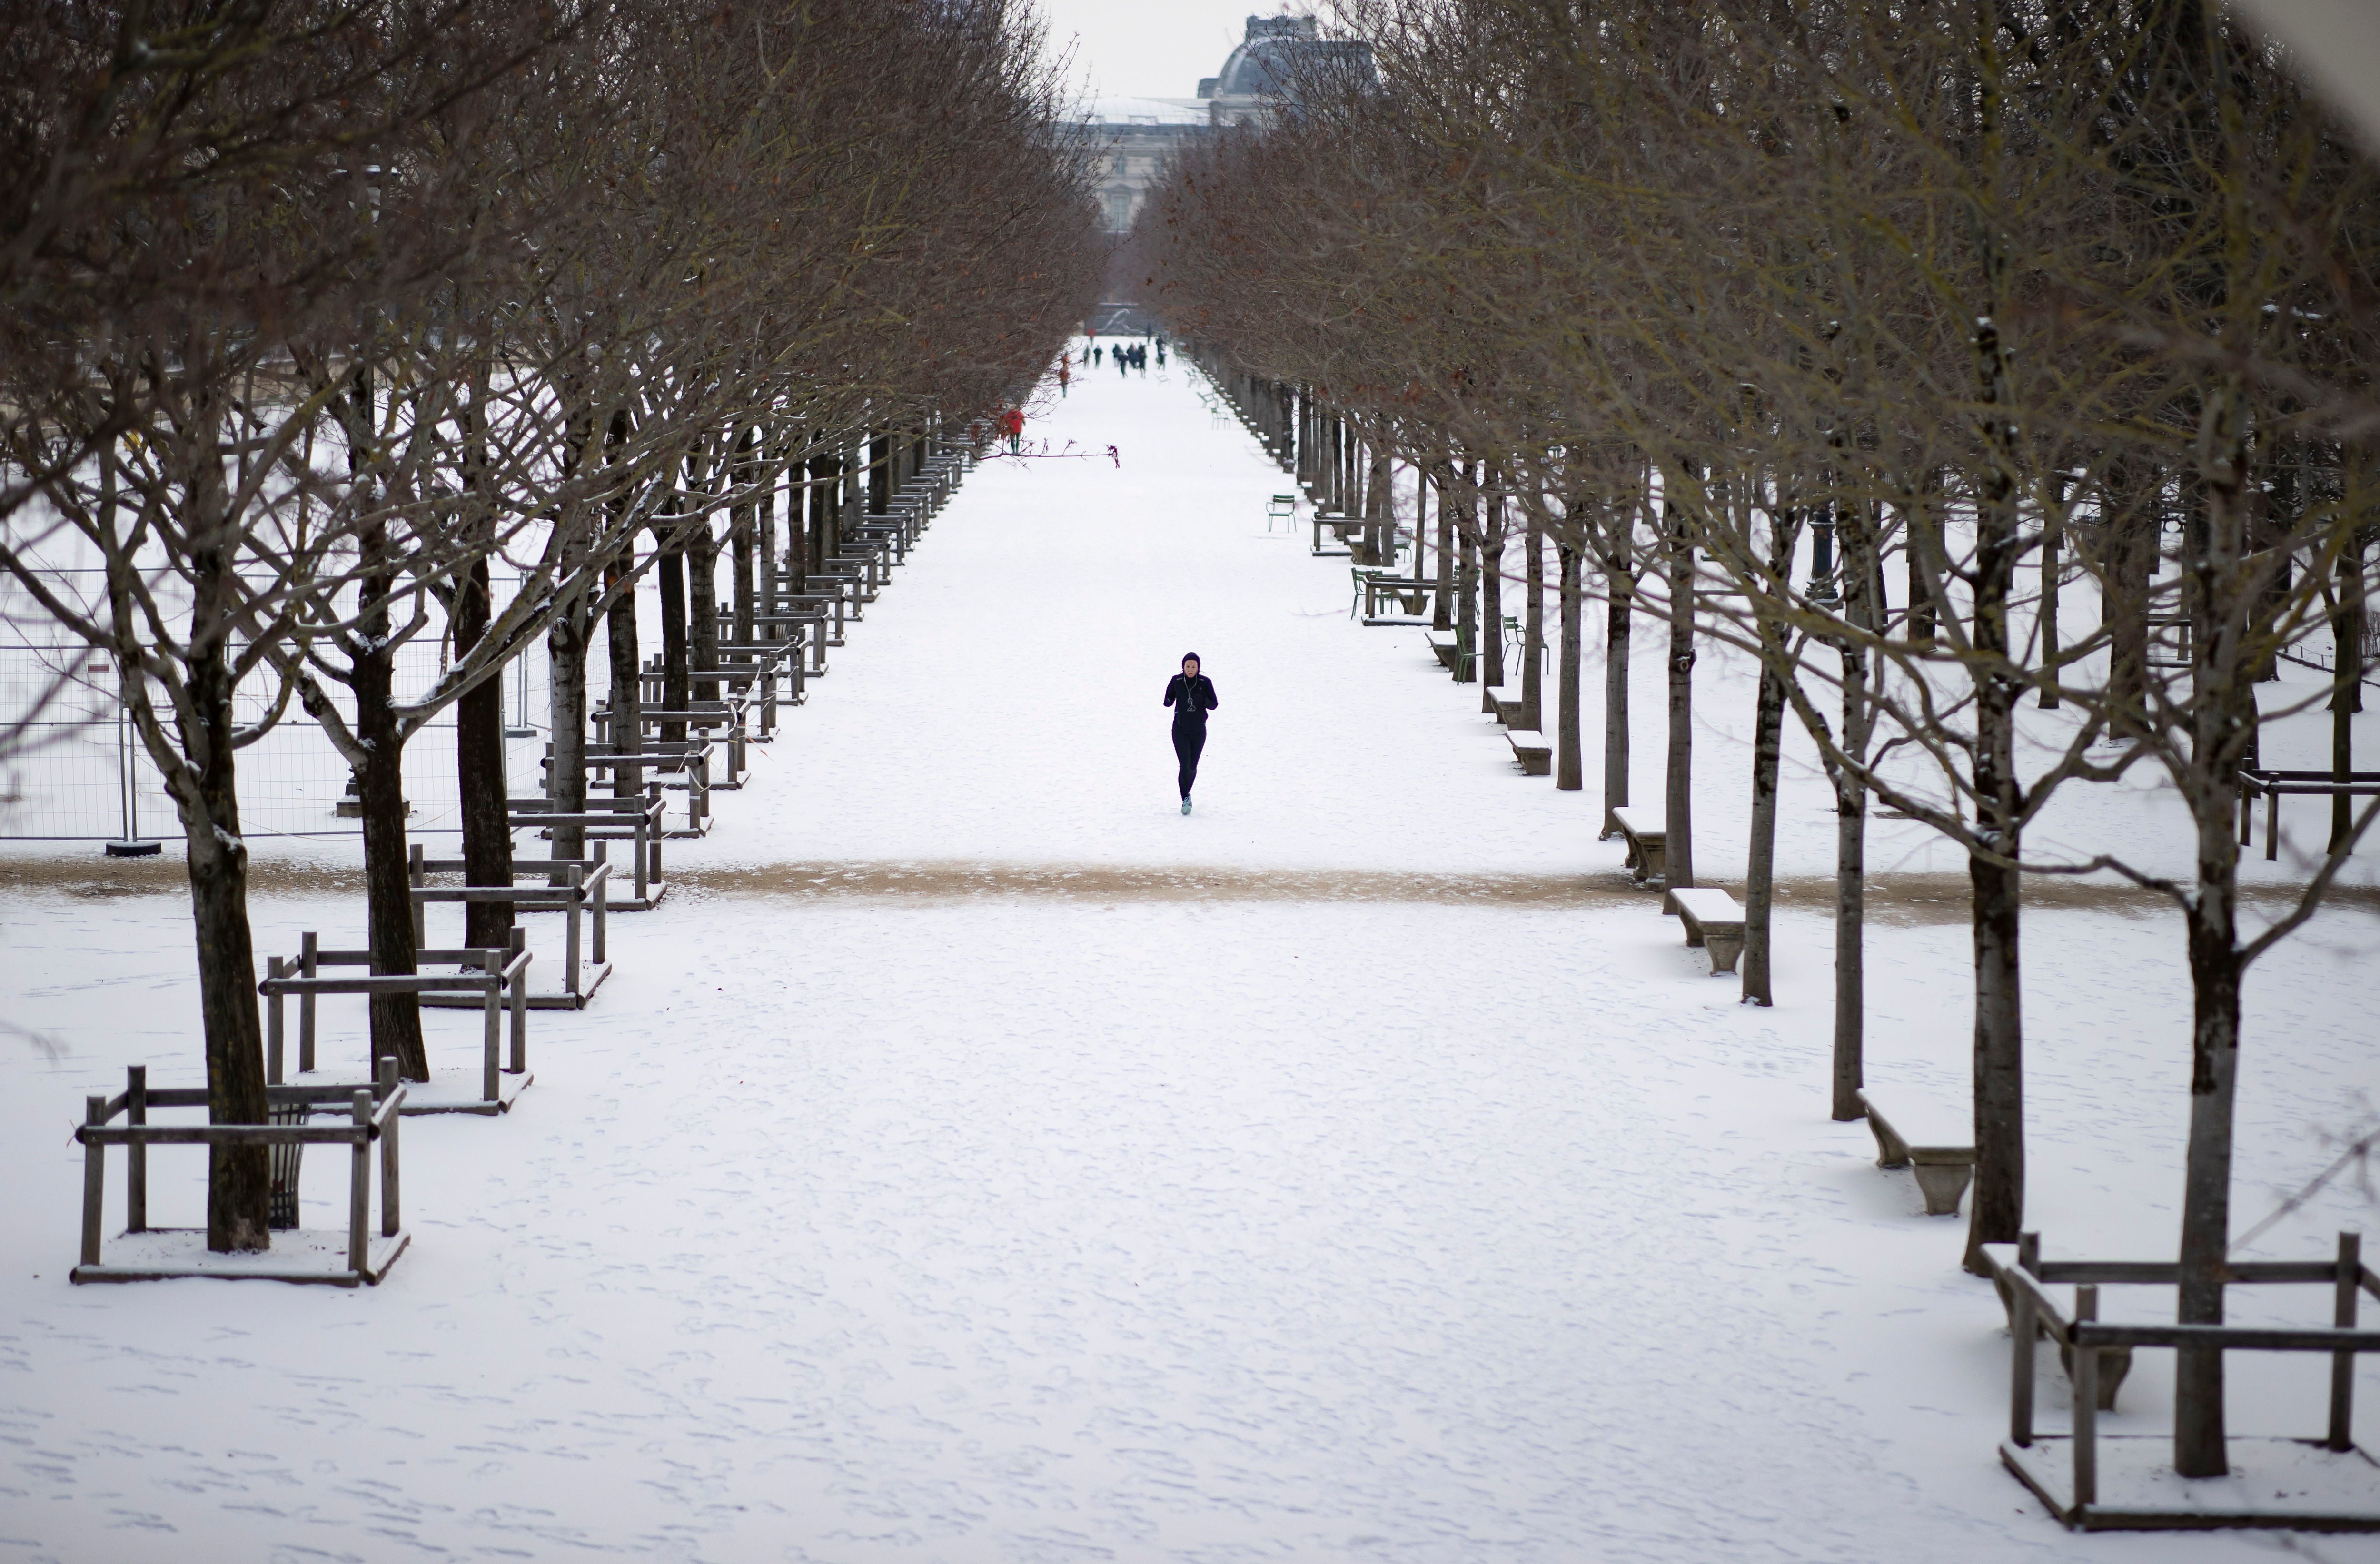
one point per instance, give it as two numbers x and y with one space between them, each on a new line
323 1255
2325 1484
501 984
583 890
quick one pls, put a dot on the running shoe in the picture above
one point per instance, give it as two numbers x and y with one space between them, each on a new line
1185 806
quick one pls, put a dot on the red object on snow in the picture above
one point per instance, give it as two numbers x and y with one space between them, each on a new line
1011 422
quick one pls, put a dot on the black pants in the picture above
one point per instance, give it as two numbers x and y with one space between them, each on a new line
1188 740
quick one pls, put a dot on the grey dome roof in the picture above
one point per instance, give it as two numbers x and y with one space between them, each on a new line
1275 49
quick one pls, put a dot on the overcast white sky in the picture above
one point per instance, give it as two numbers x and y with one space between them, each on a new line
1151 48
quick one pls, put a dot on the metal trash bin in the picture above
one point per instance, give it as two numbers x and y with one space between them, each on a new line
283 1211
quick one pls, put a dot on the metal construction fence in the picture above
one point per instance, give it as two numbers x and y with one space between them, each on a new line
78 772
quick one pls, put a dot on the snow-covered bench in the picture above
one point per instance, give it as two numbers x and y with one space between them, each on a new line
1647 844
1506 705
1942 1156
1531 750
1449 650
1712 920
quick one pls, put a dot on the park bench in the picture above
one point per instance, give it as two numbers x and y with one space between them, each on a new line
1507 706
1453 652
498 985
1321 521
1711 920
1531 751
1943 1164
146 1253
1647 844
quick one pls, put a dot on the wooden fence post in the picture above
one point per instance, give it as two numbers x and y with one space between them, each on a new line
136 1155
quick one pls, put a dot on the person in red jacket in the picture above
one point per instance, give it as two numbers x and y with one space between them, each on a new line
1012 424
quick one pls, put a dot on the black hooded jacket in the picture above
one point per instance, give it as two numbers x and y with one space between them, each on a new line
1191 700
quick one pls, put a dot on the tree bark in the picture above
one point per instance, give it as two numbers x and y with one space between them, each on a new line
1998 1206
2347 685
1443 616
565 771
741 541
1678 562
1767 749
388 902
206 798
1492 592
627 691
1533 624
1569 766
1866 608
480 769
1619 582
2053 527
668 571
702 596
1466 584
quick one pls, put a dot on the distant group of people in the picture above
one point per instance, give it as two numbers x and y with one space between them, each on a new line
1128 357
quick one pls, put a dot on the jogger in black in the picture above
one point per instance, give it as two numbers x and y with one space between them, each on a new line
1192 695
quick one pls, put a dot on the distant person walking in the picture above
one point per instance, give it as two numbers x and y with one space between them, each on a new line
1192 695
1098 358
1012 424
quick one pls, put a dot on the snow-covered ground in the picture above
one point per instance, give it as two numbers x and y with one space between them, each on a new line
975 1160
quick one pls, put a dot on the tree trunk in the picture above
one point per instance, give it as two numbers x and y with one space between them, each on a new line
1380 534
1442 615
1998 1209
627 691
1466 584
388 902
2199 1430
1569 765
2226 615
480 769
741 540
2127 575
1533 625
2346 687
1865 607
1492 593
2053 527
565 771
1678 562
239 1180
1926 553
1767 749
668 571
1619 581
702 598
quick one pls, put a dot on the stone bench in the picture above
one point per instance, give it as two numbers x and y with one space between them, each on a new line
1647 844
1712 920
1943 1166
1531 750
1450 653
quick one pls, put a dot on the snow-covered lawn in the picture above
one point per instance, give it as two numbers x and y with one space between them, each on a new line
993 1184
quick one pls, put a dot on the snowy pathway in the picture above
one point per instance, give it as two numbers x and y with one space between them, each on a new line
1033 1216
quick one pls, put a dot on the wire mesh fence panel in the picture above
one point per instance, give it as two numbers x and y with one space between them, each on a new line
77 770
